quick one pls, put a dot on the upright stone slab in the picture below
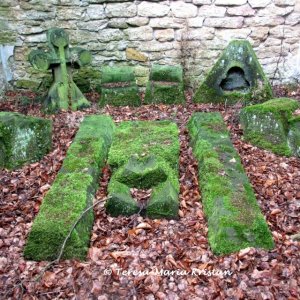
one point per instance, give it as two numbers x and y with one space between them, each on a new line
144 155
165 85
118 87
23 139
71 193
236 76
294 135
234 217
266 125
58 57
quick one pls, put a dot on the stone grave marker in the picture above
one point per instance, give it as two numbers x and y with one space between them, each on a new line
58 57
236 76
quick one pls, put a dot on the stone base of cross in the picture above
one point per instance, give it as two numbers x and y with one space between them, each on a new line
64 93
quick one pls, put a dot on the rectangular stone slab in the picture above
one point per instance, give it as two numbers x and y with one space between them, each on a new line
23 139
71 193
234 217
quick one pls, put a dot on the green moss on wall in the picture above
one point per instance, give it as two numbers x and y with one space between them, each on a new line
234 218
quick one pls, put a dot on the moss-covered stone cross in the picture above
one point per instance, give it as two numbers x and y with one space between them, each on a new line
58 57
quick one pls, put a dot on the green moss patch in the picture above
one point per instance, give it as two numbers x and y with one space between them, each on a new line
144 154
165 85
71 193
118 87
23 139
234 217
267 125
236 76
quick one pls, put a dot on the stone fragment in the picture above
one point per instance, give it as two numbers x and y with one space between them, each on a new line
274 10
165 85
166 23
180 9
264 21
118 87
230 2
259 3
195 22
138 21
244 10
121 10
236 76
133 54
164 35
107 35
63 93
23 139
146 9
201 2
226 22
211 11
95 12
284 2
143 33
266 125
118 23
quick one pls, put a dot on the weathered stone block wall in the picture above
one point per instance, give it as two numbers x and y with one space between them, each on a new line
191 32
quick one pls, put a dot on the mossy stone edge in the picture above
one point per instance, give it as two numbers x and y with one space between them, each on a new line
269 125
23 139
234 217
71 193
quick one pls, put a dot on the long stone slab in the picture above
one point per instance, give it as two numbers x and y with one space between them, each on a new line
234 217
71 193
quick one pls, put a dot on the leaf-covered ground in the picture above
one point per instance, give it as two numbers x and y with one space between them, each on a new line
145 246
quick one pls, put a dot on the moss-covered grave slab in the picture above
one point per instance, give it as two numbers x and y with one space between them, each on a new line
237 76
144 155
294 135
118 87
71 193
234 217
266 125
23 139
165 85
58 57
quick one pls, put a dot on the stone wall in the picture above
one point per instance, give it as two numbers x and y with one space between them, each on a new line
191 32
